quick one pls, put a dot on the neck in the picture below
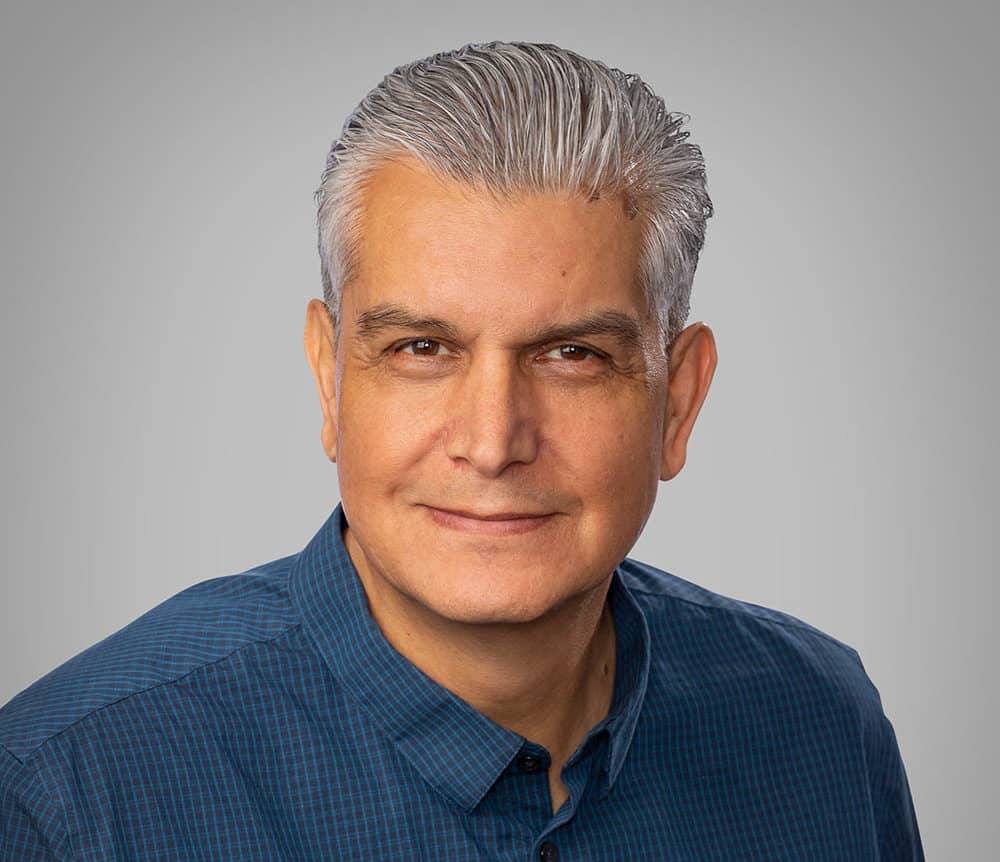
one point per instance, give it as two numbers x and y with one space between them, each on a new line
549 680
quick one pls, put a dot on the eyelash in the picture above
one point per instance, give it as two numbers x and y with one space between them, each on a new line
401 347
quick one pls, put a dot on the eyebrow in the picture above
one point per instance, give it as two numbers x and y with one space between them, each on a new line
623 328
377 319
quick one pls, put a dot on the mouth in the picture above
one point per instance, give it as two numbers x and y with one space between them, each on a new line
505 523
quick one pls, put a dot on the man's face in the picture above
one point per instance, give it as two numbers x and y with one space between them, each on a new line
500 399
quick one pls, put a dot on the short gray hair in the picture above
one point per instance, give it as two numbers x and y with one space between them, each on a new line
520 117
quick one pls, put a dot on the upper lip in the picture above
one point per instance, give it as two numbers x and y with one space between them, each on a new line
492 516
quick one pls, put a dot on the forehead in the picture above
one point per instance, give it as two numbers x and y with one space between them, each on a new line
431 242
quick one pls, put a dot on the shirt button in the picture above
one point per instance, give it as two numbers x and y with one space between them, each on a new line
529 763
548 852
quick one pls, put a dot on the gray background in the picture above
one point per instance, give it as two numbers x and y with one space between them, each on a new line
161 426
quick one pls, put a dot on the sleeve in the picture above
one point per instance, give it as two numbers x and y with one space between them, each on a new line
31 828
892 804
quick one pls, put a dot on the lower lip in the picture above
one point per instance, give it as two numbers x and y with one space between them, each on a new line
510 527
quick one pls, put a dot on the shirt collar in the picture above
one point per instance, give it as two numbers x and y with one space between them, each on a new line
456 748
632 659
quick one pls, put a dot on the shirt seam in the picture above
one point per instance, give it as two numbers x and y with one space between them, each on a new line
56 799
35 750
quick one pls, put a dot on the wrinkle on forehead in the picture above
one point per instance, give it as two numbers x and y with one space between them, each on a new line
388 207
447 247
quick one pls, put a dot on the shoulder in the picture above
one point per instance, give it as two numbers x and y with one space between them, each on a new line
203 624
737 684
716 637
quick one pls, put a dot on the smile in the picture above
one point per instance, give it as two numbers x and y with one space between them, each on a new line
489 523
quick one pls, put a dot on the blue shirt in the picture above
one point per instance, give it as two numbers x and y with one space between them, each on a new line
263 716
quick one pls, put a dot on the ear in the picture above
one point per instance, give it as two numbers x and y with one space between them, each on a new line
692 365
321 351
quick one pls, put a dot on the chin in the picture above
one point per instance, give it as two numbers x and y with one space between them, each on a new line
490 613
486 598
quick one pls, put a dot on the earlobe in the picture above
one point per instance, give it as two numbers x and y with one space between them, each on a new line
320 346
693 359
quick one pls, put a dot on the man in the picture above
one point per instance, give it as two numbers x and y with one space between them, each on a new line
463 664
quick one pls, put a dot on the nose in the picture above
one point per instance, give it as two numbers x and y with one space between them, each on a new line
492 417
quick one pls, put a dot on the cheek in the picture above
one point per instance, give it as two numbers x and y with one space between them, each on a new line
380 433
607 444
608 460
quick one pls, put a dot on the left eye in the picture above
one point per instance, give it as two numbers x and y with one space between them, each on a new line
423 347
573 352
